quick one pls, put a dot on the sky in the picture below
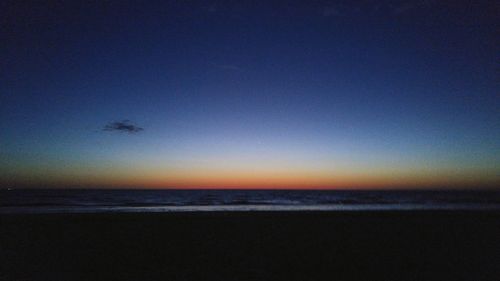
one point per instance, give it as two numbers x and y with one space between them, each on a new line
249 94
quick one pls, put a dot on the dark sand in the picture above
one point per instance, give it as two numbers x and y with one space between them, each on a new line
422 245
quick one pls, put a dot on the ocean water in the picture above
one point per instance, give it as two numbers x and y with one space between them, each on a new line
94 201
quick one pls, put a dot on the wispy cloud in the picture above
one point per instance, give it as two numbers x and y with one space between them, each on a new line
122 126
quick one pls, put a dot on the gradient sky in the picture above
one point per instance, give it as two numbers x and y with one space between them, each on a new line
258 94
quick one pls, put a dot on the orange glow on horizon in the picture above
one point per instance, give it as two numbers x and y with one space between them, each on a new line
241 180
159 177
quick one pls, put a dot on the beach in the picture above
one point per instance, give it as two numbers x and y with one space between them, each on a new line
376 245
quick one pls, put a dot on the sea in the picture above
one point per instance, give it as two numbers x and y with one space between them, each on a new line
100 200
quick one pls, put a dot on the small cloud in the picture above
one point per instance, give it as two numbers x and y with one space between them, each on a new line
122 126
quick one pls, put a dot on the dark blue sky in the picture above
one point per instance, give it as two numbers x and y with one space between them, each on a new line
381 89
